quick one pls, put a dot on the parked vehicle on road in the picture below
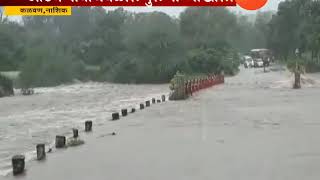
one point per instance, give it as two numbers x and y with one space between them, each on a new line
258 63
248 61
262 54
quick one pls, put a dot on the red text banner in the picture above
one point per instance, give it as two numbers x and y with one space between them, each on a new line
118 3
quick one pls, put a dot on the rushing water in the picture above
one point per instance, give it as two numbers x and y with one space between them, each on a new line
29 120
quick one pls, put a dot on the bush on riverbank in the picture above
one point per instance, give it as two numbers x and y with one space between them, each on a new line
6 86
310 66
130 69
49 67
42 68
213 60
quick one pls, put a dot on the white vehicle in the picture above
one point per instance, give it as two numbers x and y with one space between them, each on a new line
265 54
258 63
248 61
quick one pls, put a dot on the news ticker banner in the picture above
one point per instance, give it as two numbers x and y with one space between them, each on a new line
63 7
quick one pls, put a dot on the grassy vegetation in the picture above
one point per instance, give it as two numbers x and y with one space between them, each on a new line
6 86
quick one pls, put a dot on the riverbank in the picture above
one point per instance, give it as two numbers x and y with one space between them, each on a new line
245 129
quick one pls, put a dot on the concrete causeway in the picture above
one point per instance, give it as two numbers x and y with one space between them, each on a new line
254 127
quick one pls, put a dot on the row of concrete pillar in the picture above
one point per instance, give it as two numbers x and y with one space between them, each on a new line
18 161
124 112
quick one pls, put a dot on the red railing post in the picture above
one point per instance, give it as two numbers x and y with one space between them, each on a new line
189 87
192 85
198 85
208 81
211 80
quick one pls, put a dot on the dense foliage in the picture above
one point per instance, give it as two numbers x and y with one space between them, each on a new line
125 47
297 25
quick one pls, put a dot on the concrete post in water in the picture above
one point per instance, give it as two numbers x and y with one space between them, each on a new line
158 101
75 133
124 112
141 106
18 164
153 100
115 116
88 126
41 151
60 141
147 103
163 97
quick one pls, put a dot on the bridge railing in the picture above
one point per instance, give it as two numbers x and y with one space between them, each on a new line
183 86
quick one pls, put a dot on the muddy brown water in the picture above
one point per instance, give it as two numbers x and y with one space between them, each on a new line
28 120
252 101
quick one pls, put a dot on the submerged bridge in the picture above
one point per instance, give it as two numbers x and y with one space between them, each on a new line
252 127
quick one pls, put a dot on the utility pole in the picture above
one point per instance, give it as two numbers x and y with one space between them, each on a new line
297 73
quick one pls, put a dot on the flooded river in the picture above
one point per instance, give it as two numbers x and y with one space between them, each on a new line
29 120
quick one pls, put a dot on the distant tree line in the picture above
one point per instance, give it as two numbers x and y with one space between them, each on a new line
125 47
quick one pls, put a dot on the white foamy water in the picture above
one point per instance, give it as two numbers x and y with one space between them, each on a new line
29 120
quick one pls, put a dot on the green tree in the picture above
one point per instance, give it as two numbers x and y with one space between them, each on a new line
11 45
155 40
47 66
106 38
286 28
207 27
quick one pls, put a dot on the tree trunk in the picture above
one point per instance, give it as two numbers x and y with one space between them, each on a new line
297 79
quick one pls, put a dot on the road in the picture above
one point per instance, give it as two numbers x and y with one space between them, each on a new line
254 127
